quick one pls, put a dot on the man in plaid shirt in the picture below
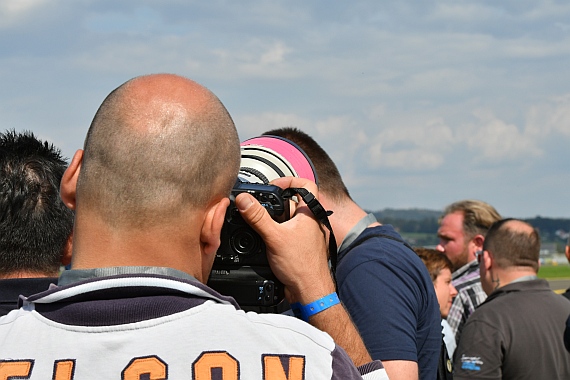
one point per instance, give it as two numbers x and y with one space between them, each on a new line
462 230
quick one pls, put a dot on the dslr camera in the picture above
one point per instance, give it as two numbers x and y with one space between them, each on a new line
241 268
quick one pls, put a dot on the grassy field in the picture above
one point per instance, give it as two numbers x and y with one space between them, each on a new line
554 271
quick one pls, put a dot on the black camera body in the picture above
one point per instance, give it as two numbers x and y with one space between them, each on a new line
241 268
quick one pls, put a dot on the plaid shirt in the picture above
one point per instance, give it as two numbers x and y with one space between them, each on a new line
470 294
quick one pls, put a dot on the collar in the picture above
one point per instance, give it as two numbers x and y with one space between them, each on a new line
467 268
75 275
357 230
524 278
92 282
537 284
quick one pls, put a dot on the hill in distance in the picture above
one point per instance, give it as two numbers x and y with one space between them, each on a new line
407 214
419 226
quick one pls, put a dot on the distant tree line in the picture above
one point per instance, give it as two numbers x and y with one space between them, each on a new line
419 226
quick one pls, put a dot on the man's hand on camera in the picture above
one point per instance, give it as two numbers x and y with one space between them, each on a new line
297 249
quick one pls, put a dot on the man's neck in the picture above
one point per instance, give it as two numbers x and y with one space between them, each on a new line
27 274
345 216
97 245
516 274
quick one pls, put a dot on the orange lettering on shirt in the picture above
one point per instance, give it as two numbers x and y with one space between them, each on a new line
152 366
208 361
63 370
15 369
273 368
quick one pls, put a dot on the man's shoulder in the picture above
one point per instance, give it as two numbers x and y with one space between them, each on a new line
529 296
383 248
383 230
379 238
286 323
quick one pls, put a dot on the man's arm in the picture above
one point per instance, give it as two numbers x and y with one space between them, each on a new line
401 369
297 251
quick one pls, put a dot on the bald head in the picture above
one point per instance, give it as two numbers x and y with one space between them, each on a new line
513 243
158 145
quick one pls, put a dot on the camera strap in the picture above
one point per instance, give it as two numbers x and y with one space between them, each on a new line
322 216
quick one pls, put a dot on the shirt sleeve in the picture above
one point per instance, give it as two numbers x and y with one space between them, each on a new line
479 353
344 369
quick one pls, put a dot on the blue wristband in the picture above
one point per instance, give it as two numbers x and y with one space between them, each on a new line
305 311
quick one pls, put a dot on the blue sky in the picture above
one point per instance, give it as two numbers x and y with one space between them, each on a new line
419 103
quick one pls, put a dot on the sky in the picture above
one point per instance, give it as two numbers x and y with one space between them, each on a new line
419 103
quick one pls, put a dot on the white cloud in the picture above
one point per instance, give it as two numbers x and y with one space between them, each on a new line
265 59
527 48
411 146
550 117
19 7
461 12
495 139
275 54
12 11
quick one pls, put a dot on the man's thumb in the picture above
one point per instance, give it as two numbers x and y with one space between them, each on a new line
254 213
244 202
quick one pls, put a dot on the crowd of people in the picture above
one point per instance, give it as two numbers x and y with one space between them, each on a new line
136 216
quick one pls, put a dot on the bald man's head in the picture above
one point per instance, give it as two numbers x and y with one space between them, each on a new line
513 243
157 145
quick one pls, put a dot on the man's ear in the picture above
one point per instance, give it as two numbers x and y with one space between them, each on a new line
212 226
478 240
488 260
568 252
68 186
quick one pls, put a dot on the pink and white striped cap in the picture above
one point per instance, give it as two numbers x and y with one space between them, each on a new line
266 158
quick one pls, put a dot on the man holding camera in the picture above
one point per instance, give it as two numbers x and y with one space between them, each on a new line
150 191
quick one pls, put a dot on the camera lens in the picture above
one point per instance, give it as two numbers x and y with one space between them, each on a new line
245 242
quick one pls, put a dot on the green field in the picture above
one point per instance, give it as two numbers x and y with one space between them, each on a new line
554 271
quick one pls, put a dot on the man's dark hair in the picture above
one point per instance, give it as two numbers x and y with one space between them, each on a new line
330 181
511 246
34 223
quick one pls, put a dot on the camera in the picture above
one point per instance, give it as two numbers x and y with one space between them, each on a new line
241 268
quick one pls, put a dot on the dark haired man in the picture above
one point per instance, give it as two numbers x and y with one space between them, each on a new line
517 332
150 192
35 225
385 286
461 233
